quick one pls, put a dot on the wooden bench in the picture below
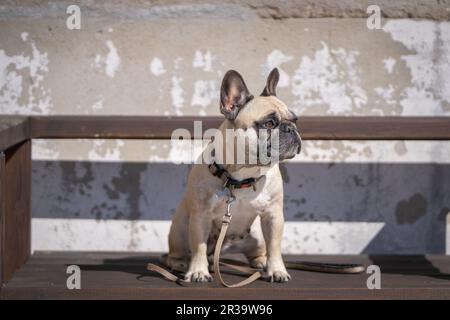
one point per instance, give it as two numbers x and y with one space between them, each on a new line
16 133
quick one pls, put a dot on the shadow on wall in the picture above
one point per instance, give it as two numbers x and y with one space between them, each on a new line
410 199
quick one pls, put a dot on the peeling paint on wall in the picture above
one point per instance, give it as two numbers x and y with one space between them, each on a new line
429 92
111 62
386 94
203 61
21 81
319 75
330 79
389 64
206 92
276 59
98 105
105 150
43 149
157 67
177 95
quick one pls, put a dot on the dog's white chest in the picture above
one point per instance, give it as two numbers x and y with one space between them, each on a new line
240 229
244 224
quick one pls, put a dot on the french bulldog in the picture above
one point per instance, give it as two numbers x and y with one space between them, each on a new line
256 229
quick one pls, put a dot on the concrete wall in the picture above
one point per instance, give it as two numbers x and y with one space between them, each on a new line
168 58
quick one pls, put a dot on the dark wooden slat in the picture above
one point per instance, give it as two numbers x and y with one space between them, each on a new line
17 205
2 211
122 127
311 128
226 294
13 130
375 128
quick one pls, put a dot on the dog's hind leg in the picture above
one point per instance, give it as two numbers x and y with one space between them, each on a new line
178 257
256 255
255 246
258 262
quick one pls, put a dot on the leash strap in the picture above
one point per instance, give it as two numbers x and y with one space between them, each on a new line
223 231
166 274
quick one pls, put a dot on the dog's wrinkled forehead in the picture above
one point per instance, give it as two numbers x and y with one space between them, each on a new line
259 108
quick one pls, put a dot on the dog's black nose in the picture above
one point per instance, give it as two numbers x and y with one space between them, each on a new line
287 127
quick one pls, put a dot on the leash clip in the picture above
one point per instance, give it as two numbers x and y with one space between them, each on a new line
226 219
225 184
227 216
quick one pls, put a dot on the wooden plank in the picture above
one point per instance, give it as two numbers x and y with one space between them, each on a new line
17 206
272 292
311 128
112 127
447 233
13 130
2 211
123 276
375 128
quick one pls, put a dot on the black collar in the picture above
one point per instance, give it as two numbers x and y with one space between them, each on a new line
229 182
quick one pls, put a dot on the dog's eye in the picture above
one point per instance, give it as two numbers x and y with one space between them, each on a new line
269 124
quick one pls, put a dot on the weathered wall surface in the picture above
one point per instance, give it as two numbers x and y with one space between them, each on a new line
168 59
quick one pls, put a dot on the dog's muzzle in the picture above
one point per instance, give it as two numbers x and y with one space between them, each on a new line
290 140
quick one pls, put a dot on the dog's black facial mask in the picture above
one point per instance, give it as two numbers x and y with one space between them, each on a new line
290 141
234 94
285 136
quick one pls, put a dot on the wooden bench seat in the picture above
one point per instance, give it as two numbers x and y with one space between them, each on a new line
124 276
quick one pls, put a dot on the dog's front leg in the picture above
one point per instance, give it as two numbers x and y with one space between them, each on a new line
272 223
199 228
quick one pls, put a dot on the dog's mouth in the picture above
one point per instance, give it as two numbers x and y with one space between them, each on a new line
290 146
286 152
291 156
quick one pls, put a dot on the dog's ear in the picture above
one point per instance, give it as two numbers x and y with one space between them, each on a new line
233 94
271 85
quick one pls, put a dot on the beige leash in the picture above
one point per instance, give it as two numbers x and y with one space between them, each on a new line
254 273
226 220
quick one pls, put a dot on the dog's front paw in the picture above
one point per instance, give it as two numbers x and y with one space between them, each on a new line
276 271
278 276
198 276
